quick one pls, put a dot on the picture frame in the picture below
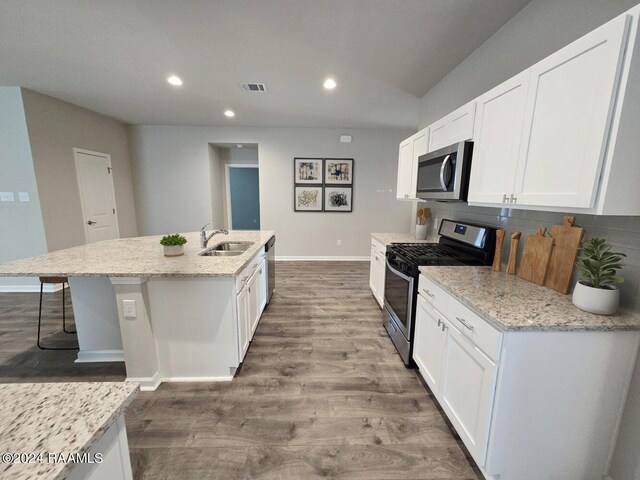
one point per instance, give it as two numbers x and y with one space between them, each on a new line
308 171
338 199
338 171
308 198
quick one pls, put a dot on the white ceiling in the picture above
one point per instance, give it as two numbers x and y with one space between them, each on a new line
114 56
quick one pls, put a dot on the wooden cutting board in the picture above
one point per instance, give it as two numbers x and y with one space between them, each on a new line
497 256
536 256
563 257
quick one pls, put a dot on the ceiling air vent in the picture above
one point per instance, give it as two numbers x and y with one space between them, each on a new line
254 87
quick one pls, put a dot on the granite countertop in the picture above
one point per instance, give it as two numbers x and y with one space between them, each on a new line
389 238
56 418
511 304
138 257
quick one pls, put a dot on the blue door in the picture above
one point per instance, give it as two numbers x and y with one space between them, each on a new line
244 191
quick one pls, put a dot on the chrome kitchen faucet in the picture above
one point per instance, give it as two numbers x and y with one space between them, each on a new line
204 238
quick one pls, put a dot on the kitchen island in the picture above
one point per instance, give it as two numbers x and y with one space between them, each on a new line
169 318
74 431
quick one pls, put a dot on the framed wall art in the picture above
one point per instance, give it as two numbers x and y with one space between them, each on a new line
308 171
307 199
338 199
338 171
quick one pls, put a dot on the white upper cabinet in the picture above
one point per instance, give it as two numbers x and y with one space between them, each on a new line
497 135
455 127
567 120
562 136
410 150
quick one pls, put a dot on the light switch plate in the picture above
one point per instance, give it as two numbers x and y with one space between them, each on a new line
7 197
23 196
129 308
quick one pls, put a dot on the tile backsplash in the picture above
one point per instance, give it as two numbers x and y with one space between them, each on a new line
622 232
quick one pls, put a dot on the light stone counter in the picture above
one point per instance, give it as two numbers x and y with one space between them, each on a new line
56 418
389 238
138 257
512 304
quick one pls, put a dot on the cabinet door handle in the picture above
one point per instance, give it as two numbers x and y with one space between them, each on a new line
439 322
513 199
464 322
429 293
505 199
444 326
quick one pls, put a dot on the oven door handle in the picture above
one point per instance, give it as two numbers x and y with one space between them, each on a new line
442 168
397 272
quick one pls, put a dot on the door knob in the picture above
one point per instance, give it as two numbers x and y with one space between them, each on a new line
91 222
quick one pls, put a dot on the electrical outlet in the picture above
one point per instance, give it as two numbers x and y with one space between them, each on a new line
23 196
339 242
7 197
129 308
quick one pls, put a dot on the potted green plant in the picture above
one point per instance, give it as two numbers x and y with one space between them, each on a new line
596 291
173 245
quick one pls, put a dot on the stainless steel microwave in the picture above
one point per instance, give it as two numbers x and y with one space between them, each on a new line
443 174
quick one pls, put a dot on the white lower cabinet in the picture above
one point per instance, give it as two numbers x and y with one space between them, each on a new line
251 300
468 385
243 322
460 376
526 404
427 352
377 271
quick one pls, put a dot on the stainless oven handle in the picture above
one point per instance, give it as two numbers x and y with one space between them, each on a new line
400 274
442 167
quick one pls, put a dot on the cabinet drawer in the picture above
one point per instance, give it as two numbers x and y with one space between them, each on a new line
483 335
244 275
433 294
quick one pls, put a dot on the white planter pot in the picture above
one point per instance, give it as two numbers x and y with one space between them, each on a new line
421 232
596 300
173 250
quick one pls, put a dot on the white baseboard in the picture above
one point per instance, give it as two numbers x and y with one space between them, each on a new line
323 259
99 356
197 379
48 288
147 384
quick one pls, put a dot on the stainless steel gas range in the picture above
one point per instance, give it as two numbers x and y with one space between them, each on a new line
460 244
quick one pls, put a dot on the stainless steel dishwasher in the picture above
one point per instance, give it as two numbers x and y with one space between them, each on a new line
270 249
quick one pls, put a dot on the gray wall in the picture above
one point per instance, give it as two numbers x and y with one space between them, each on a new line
218 215
21 228
173 188
539 29
55 128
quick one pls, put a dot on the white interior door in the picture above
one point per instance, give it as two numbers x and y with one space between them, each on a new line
97 195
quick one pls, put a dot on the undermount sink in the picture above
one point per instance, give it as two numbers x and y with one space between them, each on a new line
227 249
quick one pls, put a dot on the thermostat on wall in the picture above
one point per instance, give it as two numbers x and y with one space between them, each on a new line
345 138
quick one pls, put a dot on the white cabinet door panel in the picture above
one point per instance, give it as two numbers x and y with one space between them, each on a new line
497 136
571 97
428 343
468 387
405 168
455 127
253 294
243 322
261 285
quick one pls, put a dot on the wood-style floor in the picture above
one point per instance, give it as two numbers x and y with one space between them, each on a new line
321 394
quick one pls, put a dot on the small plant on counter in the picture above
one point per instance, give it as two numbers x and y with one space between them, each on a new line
173 245
596 291
172 240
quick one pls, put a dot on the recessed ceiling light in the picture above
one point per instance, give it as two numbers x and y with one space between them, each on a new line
329 84
230 113
173 80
